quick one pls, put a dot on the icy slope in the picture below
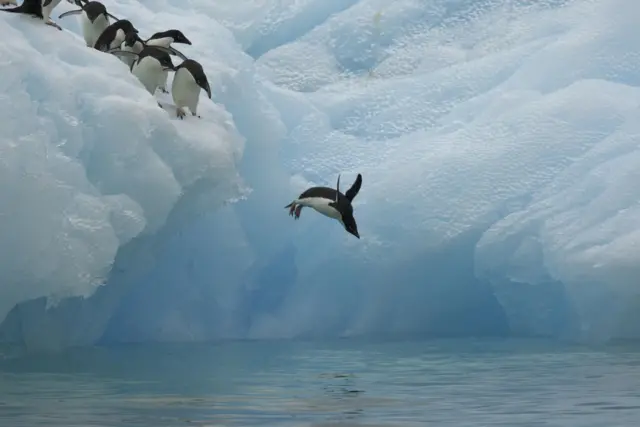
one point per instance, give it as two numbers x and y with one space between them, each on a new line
88 161
459 114
496 140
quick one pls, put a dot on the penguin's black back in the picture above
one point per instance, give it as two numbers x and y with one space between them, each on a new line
195 69
323 193
162 34
28 7
109 33
93 9
330 193
162 56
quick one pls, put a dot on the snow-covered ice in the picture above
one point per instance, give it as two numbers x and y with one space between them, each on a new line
497 141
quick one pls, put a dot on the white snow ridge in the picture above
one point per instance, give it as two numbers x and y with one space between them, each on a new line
88 161
497 139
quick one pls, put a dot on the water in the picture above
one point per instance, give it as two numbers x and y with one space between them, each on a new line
344 383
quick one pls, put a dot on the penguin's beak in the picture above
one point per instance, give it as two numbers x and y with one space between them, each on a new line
186 41
354 232
207 89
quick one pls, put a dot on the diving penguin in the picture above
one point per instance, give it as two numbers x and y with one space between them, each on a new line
331 203
36 8
94 19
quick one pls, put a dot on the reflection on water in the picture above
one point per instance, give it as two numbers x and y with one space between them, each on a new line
346 383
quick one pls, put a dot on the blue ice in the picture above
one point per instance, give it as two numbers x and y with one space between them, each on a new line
498 141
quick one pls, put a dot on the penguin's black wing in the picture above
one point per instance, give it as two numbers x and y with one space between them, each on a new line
28 7
355 188
321 192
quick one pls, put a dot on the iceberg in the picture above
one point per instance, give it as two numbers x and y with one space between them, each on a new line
496 140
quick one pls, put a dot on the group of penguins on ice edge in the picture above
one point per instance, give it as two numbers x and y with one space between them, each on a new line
150 61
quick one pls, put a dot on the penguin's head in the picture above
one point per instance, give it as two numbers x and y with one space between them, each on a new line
167 64
127 26
349 221
178 37
175 36
98 10
130 39
204 84
198 74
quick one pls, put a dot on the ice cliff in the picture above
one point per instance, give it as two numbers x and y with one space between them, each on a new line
498 141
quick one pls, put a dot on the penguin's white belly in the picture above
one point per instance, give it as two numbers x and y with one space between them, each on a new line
164 42
185 91
163 79
136 48
46 10
148 71
322 206
92 30
118 39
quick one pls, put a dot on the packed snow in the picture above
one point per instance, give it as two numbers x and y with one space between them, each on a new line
497 140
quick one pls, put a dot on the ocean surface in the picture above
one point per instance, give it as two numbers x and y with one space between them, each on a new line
341 383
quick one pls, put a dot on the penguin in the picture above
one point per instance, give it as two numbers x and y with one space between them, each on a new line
38 9
94 19
189 78
148 65
131 43
113 36
165 38
331 203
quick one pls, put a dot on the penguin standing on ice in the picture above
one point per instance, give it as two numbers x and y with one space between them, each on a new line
164 39
36 8
185 88
133 43
94 19
331 203
113 36
149 65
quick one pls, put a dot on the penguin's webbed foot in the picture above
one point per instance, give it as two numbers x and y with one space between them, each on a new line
195 115
164 90
180 113
294 210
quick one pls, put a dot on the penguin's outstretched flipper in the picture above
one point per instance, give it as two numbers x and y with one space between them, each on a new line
69 13
121 52
355 188
171 51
